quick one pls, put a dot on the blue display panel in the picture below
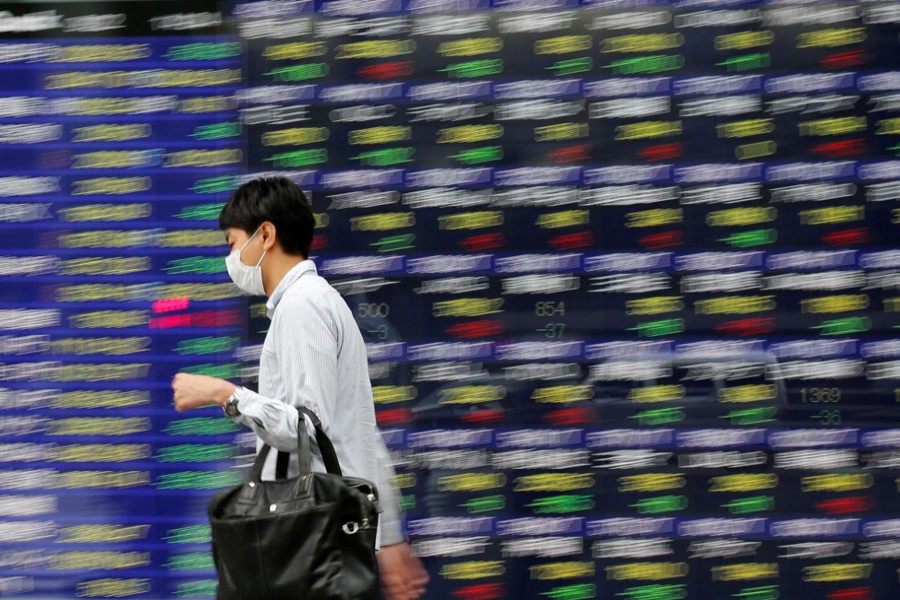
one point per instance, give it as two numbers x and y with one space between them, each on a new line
627 273
117 130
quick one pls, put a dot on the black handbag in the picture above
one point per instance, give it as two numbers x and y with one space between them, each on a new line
310 538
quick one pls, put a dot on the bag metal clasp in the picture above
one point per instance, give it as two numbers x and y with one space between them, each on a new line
353 527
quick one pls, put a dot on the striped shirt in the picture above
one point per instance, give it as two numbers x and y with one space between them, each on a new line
314 356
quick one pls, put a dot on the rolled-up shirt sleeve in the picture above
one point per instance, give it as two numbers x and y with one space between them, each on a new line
274 422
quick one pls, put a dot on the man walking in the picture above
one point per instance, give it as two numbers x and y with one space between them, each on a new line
313 356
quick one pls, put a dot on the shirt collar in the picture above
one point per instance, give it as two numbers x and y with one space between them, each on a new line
287 281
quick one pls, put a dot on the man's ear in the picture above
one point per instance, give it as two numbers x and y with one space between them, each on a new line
269 234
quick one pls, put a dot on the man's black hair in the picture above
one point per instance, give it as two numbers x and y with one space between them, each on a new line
275 199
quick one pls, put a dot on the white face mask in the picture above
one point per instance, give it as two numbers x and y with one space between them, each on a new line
248 279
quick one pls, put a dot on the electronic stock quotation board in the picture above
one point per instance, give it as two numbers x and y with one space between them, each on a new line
627 272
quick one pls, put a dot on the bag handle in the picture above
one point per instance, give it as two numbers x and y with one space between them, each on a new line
329 456
281 466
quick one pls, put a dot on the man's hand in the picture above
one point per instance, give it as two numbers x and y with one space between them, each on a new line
402 575
196 391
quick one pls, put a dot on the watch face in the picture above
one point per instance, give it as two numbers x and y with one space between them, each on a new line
231 408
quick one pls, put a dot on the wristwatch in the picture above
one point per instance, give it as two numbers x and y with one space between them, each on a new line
231 405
